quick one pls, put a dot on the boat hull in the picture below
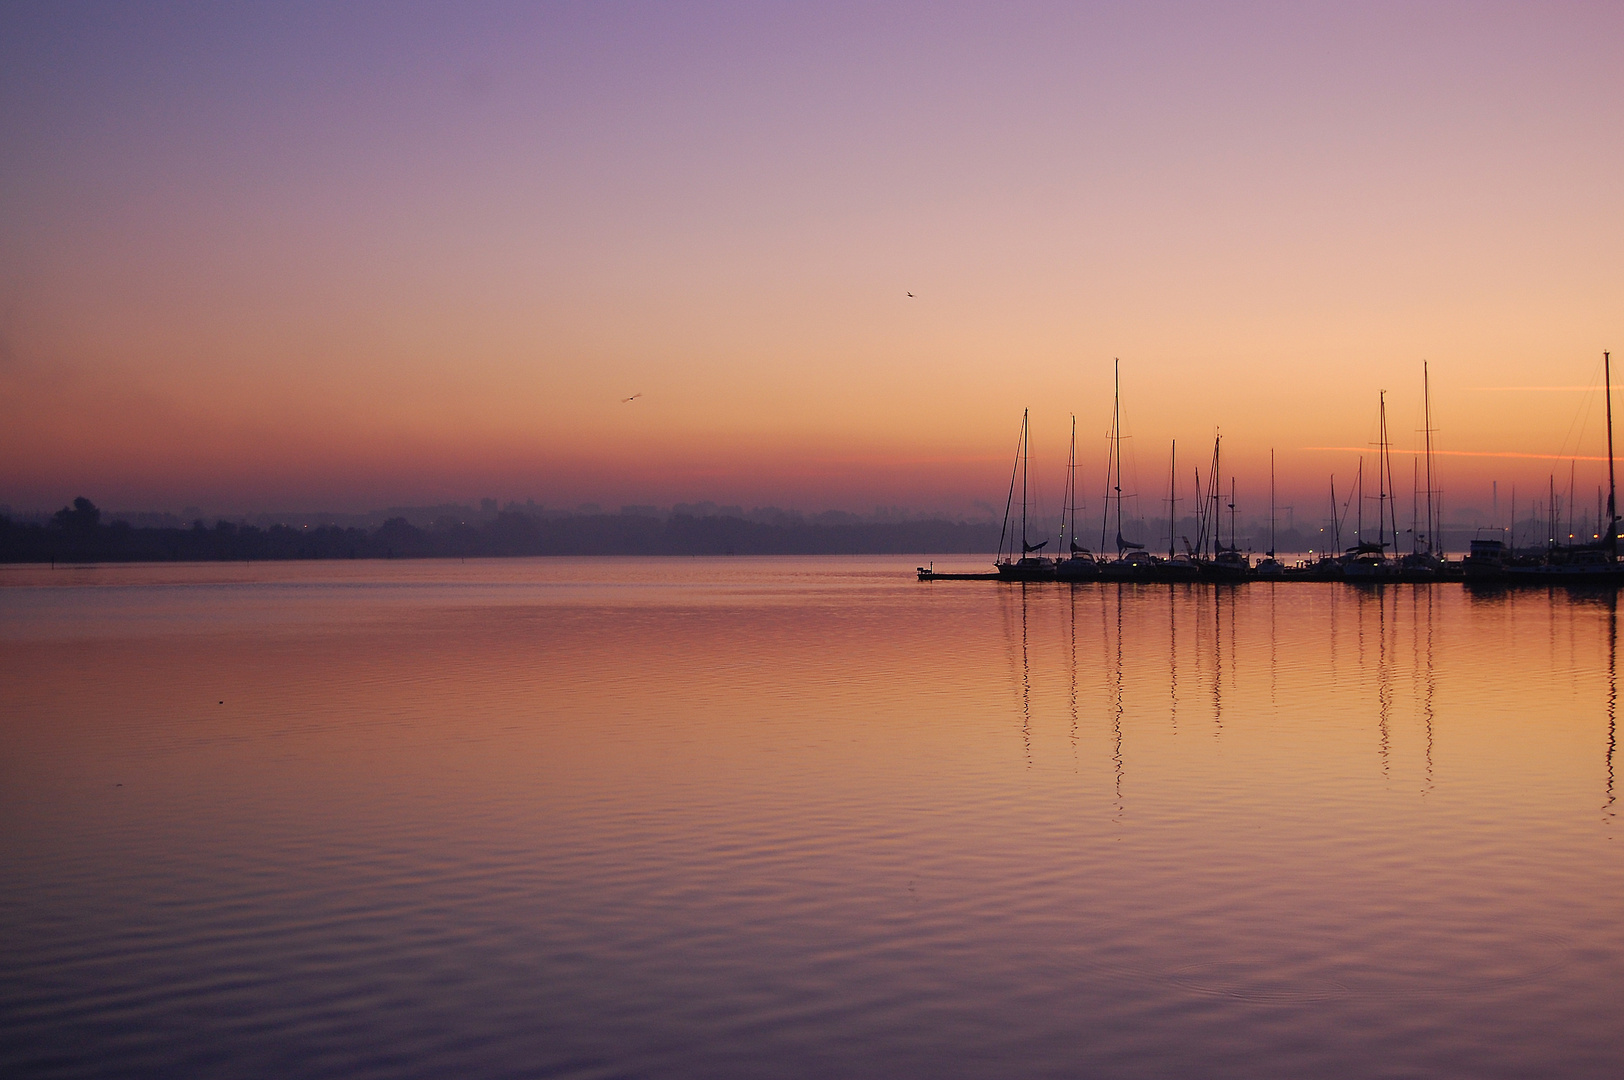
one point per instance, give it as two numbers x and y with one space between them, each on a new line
1027 570
1605 575
1077 570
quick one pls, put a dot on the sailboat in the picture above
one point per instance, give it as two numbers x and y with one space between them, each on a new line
1178 566
1079 563
1326 564
1231 564
1425 562
1367 562
1269 566
1030 564
1132 560
1226 563
1591 564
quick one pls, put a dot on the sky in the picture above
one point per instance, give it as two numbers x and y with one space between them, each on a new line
347 256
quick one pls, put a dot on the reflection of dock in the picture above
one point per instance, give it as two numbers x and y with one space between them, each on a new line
1610 579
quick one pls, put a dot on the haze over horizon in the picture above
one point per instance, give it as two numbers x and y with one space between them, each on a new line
304 257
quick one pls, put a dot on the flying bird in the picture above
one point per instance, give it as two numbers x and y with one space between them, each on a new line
910 294
634 397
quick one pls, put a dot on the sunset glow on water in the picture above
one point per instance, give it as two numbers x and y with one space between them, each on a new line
800 817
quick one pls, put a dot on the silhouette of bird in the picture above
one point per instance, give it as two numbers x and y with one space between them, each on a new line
910 294
634 397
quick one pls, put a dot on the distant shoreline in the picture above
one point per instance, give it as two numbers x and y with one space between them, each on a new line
79 537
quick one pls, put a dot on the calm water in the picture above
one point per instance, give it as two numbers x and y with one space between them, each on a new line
800 818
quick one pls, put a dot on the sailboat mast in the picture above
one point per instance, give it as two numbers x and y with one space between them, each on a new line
1550 510
1612 512
1172 497
1359 500
1026 447
1116 433
1200 516
1071 479
1009 504
1336 521
1426 412
1415 507
1381 475
1271 502
1392 488
1381 490
1110 462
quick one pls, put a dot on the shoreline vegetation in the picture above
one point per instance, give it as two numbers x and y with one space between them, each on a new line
76 534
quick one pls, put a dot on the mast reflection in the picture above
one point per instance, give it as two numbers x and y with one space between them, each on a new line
1612 698
1217 661
1430 686
1071 604
1173 658
1384 681
1274 657
1026 685
1116 714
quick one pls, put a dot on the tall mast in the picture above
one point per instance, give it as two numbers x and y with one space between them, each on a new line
1415 509
1009 504
1359 500
1026 447
1550 511
1116 435
1612 511
1270 502
1571 494
1383 478
1336 522
1384 481
1200 516
1392 491
1172 497
1072 475
1110 462
1426 409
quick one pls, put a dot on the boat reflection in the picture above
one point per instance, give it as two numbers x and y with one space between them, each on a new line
1253 660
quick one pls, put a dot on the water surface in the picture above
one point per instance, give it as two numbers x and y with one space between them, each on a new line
800 817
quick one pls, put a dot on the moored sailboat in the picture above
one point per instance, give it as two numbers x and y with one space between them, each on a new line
1367 563
1079 563
1132 561
1426 562
1226 562
1030 564
1589 564
1269 566
1178 566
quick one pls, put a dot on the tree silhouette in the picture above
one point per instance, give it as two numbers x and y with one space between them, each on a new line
82 517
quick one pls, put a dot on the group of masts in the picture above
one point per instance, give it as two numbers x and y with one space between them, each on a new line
1208 558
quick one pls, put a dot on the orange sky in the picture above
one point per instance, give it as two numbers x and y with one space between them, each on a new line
311 259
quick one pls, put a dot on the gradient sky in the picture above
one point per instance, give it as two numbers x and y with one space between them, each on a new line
345 256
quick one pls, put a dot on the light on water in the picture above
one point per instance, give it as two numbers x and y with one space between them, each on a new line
800 817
